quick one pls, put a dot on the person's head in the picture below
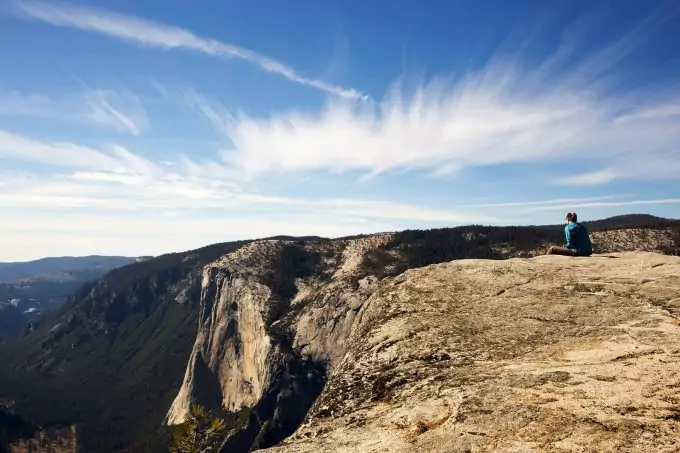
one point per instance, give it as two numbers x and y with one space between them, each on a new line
571 217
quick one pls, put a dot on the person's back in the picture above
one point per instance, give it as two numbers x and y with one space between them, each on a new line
578 239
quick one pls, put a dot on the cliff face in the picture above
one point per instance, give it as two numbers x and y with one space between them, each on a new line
278 319
228 364
549 354
274 319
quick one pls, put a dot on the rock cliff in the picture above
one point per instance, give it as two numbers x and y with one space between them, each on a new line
549 354
274 319
281 319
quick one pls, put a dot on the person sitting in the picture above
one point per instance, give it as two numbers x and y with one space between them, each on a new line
577 239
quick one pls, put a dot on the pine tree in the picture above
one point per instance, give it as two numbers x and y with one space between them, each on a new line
200 432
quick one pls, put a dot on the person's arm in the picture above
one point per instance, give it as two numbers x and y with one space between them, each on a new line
569 237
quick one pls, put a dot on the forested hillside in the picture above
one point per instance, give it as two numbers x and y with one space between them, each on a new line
111 357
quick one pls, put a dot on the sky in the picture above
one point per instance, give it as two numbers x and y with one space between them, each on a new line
139 128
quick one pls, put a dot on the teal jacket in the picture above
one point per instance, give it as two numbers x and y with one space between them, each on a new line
578 239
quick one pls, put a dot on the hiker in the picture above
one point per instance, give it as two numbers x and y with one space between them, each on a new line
577 239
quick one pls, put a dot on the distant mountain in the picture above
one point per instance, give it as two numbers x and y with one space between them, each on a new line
28 289
113 357
60 268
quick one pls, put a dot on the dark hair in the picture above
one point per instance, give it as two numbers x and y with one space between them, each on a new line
572 217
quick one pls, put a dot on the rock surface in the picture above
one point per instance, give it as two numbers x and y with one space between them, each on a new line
273 312
631 240
549 354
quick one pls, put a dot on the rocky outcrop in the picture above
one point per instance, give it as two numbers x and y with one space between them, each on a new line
633 239
274 319
228 365
278 318
549 354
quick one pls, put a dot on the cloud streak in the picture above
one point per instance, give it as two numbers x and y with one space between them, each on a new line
489 119
590 179
122 112
102 109
607 204
573 108
118 180
59 154
514 204
153 34
125 203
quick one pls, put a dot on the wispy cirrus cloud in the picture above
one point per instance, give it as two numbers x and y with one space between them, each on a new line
592 178
569 108
489 118
119 111
514 204
118 180
130 204
153 34
219 117
122 113
60 154
606 204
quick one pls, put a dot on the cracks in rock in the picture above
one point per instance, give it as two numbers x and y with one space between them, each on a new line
598 423
635 338
504 290
542 319
662 306
635 355
296 383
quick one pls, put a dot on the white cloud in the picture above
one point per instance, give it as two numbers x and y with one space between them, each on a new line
563 110
173 193
61 154
220 118
143 208
152 213
112 110
13 103
654 113
116 162
103 110
154 34
606 204
487 119
121 181
590 178
514 204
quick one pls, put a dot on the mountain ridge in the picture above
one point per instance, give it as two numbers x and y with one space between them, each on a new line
18 270
145 319
30 288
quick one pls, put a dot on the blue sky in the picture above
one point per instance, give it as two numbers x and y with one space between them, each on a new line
146 127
